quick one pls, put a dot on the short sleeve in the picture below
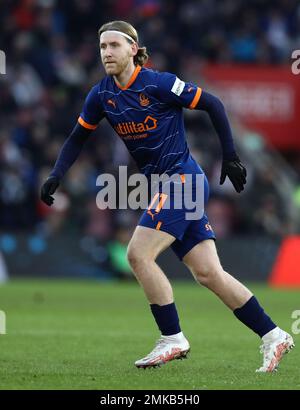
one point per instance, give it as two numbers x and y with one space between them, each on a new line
92 112
172 90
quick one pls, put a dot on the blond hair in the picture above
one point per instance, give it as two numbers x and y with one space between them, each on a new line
142 56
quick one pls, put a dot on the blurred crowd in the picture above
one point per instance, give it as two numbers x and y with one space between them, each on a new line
53 60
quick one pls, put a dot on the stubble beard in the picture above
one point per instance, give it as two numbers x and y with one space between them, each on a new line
118 67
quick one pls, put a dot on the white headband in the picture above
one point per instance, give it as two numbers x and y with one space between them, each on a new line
120 32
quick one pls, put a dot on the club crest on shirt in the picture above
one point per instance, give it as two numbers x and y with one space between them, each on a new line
144 100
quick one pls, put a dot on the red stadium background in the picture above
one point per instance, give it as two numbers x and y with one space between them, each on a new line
266 99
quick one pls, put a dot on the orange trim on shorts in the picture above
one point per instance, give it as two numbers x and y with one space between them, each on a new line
132 78
162 200
182 177
158 225
196 98
153 200
86 125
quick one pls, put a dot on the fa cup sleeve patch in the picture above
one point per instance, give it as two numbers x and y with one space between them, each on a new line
178 86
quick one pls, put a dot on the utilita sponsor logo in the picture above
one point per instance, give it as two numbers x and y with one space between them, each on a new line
124 128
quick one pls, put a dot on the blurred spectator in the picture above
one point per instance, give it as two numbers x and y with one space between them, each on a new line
117 251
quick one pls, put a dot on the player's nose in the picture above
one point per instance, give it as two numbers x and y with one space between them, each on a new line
107 52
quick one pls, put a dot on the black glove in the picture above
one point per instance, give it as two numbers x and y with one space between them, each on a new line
236 172
48 189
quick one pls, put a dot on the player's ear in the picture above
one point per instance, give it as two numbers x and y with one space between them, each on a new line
134 49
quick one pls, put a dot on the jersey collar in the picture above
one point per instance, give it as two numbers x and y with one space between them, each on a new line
131 79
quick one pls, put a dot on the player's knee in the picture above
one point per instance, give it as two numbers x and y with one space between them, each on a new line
131 256
135 257
207 275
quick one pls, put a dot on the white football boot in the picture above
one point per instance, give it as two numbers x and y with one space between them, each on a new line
167 348
275 344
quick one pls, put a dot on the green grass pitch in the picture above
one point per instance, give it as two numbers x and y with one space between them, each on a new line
87 335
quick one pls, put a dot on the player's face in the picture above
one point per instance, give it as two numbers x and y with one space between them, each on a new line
116 52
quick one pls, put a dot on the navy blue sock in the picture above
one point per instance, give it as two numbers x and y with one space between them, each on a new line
253 316
166 317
